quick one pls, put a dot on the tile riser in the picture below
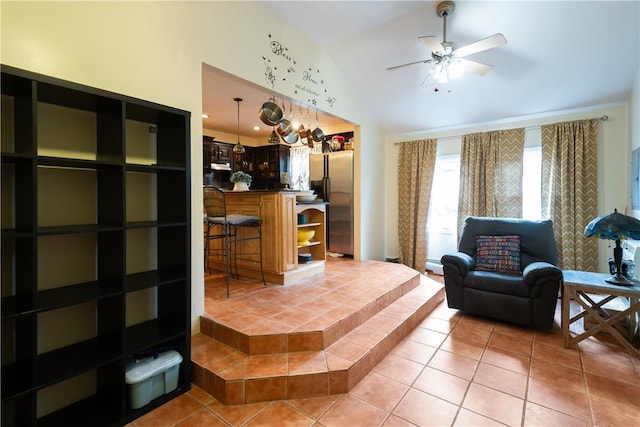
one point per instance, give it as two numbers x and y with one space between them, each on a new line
335 381
239 340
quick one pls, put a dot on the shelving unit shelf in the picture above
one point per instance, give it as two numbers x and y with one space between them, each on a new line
315 220
95 248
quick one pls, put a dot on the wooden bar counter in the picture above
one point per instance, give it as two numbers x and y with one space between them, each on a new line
279 212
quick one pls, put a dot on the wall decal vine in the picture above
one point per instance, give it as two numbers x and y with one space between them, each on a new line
308 82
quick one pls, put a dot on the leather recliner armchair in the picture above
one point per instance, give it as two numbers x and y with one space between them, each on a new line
528 298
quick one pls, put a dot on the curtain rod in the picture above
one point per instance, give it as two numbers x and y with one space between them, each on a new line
604 118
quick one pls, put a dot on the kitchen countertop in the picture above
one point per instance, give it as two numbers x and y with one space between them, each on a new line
264 190
268 191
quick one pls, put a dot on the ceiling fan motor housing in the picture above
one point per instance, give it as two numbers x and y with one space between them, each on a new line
445 8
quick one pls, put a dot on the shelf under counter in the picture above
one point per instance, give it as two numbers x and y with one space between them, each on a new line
310 224
315 243
314 219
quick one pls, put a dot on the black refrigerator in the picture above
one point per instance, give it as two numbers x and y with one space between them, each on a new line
331 176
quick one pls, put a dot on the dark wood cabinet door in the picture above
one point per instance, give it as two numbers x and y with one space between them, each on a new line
225 152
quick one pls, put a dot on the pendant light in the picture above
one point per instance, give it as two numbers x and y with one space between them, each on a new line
238 148
274 138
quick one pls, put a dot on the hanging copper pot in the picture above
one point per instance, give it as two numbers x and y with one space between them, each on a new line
309 139
270 113
302 132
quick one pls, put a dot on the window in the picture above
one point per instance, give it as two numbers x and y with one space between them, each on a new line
532 183
443 211
443 205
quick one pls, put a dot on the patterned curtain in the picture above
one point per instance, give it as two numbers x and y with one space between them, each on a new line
570 189
416 163
491 174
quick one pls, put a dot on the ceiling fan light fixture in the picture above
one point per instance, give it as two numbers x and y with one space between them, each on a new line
455 69
444 77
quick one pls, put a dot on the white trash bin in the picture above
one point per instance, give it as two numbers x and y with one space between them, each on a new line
151 377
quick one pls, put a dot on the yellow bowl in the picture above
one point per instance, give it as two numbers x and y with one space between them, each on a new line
304 236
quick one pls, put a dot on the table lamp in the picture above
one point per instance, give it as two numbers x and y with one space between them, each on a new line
615 226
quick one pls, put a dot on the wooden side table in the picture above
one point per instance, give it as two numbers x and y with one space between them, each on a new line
580 286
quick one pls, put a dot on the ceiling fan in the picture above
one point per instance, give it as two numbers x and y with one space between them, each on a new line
447 58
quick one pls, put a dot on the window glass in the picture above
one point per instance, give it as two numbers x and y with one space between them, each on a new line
532 183
443 205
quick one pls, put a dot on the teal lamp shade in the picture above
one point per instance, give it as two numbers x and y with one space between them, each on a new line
615 226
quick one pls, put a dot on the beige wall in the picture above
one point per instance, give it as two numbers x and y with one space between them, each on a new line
155 51
614 189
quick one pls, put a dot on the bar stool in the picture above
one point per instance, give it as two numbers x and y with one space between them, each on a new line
228 227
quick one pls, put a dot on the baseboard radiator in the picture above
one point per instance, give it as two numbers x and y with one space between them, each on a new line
438 244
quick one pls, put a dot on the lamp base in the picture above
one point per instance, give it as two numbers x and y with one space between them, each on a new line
619 280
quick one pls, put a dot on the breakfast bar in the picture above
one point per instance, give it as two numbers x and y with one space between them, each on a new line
281 249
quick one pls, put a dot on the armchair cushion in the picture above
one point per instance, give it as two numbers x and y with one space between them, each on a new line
498 253
491 281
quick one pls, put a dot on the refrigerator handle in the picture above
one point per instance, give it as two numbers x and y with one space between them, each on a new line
325 161
326 188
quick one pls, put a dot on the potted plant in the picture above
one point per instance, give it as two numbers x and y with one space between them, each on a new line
241 181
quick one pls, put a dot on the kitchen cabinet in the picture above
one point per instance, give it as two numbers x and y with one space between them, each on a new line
215 152
244 162
207 141
222 152
269 163
96 245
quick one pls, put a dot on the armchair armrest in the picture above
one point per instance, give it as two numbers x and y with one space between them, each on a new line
456 266
537 271
463 262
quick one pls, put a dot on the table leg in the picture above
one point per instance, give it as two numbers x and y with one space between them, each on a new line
565 314
604 322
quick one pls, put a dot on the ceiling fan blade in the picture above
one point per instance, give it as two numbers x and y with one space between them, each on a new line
424 61
432 43
484 44
475 67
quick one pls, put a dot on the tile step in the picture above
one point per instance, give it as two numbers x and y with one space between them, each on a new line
315 335
234 377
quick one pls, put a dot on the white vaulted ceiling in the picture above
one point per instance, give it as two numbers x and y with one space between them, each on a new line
560 55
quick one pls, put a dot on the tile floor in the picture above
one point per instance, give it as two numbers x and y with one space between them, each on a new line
454 370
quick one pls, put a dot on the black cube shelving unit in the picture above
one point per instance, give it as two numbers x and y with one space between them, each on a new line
95 248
